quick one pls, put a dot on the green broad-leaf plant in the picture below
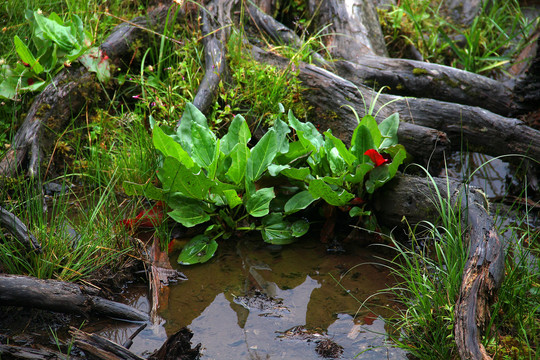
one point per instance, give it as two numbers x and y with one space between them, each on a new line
57 43
226 184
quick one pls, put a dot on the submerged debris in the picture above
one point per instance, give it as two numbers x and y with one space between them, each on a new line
329 349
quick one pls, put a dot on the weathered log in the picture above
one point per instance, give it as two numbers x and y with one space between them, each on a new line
17 228
466 126
331 95
101 347
54 295
416 199
351 28
425 80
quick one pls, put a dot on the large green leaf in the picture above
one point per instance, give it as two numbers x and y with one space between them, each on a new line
238 134
191 115
299 227
319 189
239 156
233 200
377 178
58 33
188 214
258 204
369 122
307 133
26 55
389 128
338 166
169 147
298 202
341 148
301 174
262 155
296 155
204 145
357 177
200 249
175 177
360 142
398 156
276 230
282 129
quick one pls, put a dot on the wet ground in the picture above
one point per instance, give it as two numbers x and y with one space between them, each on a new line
255 301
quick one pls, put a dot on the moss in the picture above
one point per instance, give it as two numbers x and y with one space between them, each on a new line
419 72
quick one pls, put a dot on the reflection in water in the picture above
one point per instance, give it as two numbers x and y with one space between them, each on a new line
489 174
219 302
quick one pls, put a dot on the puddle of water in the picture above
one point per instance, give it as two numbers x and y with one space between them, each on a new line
217 302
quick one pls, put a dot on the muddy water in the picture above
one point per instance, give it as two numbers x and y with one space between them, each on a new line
258 302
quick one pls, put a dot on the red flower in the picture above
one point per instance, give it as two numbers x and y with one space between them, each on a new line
377 158
30 81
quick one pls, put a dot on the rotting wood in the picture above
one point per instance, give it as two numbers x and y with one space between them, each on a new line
59 296
101 347
416 199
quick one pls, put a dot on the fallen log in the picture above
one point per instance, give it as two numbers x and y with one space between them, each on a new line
466 126
416 200
54 295
17 228
433 81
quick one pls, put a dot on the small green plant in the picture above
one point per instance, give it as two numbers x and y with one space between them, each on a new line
57 43
222 181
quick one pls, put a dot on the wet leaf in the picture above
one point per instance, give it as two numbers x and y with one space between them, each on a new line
175 177
148 190
188 214
298 202
204 145
338 197
307 133
299 227
277 231
191 115
200 249
237 170
238 134
369 122
261 155
346 155
258 204
169 147
361 142
389 128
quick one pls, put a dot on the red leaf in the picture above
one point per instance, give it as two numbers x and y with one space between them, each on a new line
147 218
376 157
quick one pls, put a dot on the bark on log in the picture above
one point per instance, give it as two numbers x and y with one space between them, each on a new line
414 198
16 290
432 81
17 228
462 11
354 29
